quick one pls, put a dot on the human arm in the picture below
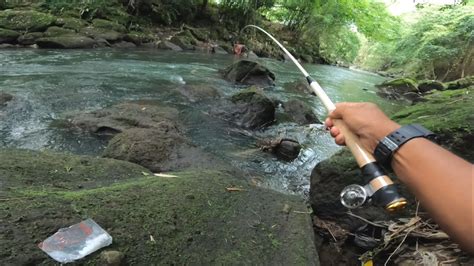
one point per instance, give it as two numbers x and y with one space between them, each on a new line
442 181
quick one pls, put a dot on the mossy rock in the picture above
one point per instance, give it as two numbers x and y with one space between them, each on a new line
399 89
185 40
66 42
100 33
108 25
138 37
71 23
8 36
29 38
200 34
55 31
25 20
450 114
300 112
460 83
430 85
180 218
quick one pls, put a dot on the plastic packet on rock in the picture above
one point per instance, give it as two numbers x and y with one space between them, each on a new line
76 242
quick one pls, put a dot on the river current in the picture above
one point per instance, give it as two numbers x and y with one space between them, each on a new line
50 84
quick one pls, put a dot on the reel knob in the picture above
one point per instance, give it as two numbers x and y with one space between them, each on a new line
353 196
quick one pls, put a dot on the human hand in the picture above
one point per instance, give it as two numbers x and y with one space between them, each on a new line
365 120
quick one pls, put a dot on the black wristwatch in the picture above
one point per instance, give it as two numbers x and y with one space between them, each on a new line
384 151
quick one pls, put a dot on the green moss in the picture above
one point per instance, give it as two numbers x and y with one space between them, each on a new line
25 20
460 83
108 25
401 82
57 31
248 95
72 23
191 217
8 35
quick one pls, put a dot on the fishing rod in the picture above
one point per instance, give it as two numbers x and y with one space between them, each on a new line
379 188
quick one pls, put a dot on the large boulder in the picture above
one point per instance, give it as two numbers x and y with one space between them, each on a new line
283 148
100 33
430 85
167 45
25 20
185 40
300 112
398 89
108 25
251 109
71 23
8 36
66 42
186 217
159 149
460 83
29 38
298 86
55 31
248 72
115 119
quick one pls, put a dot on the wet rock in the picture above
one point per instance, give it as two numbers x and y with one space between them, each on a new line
75 24
430 85
108 25
112 258
7 46
249 73
298 86
252 56
460 83
159 149
138 38
199 92
29 38
185 40
115 119
200 34
8 36
284 149
55 31
396 89
166 45
66 42
251 109
25 20
5 98
219 50
307 58
124 45
99 33
300 112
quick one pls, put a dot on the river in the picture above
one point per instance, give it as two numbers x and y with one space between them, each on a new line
51 84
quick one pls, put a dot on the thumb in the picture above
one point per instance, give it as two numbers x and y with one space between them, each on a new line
338 113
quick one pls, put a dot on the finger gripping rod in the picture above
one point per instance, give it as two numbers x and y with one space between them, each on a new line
380 187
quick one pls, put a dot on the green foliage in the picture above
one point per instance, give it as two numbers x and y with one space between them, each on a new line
437 46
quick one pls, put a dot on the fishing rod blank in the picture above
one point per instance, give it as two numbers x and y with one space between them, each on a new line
379 188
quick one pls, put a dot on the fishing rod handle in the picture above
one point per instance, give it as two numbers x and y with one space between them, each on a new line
380 186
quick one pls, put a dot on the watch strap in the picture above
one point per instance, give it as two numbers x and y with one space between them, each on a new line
385 149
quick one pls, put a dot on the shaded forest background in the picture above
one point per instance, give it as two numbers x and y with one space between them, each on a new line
435 42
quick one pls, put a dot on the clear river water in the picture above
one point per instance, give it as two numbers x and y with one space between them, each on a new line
51 84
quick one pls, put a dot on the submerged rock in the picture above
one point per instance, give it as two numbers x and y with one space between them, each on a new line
115 119
248 72
251 109
298 86
300 112
166 45
199 92
112 258
184 218
66 42
5 98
